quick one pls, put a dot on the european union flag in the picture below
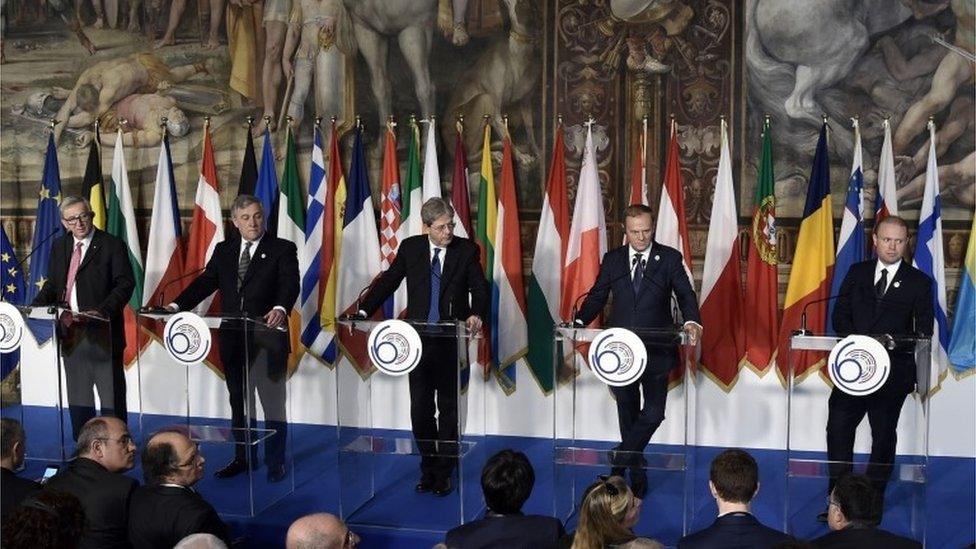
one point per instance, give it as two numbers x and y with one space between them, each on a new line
12 291
48 221
267 186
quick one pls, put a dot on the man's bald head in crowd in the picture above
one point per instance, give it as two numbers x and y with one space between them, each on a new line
320 531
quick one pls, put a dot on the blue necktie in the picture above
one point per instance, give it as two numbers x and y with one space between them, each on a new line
434 313
638 272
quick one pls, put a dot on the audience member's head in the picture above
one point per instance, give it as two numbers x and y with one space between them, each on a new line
170 457
320 531
13 444
507 481
854 502
46 519
201 541
106 440
734 478
608 513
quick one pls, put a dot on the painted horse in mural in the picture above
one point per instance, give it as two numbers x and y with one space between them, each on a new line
785 42
412 23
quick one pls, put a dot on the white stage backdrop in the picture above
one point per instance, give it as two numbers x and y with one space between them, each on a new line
751 415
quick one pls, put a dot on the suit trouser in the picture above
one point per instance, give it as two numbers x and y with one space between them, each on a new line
845 412
90 362
638 424
436 376
268 380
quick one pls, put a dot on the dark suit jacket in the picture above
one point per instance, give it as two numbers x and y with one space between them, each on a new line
104 281
905 309
651 307
461 274
271 280
734 531
865 538
510 531
105 498
160 516
13 490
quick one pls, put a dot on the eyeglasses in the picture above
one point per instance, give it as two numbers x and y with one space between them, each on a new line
352 540
124 440
192 461
80 217
441 228
832 501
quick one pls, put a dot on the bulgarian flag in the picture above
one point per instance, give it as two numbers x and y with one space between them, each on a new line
121 223
761 277
545 285
485 235
509 335
291 227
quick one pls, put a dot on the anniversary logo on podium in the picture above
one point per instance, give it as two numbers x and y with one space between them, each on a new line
859 365
394 347
187 338
617 356
11 328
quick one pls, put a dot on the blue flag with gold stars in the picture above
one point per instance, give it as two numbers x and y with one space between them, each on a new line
48 221
12 291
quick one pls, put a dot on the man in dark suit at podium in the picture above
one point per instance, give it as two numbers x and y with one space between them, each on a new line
89 272
642 275
443 272
257 276
879 296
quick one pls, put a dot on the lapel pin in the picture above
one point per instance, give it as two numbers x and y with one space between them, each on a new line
657 258
896 283
262 256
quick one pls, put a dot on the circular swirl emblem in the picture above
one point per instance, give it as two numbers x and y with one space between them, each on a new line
187 338
11 328
859 365
394 347
764 230
617 357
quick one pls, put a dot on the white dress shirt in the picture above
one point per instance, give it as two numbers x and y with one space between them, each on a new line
892 269
85 245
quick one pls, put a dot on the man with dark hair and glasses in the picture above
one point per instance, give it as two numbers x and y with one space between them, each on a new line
168 509
89 272
105 452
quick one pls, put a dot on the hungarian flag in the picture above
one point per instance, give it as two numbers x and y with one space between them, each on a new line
761 278
335 201
545 284
723 340
813 267
485 236
122 225
459 188
165 255
207 225
291 227
850 244
359 261
432 174
509 332
587 236
92 186
390 221
410 222
315 271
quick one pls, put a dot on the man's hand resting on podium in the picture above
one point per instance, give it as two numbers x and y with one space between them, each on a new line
275 317
473 323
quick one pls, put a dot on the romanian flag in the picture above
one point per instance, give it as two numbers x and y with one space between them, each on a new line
813 269
485 233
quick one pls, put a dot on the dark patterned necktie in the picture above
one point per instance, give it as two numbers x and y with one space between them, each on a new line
243 264
434 313
638 272
882 285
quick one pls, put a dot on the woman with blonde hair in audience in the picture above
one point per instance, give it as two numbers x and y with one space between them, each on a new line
608 514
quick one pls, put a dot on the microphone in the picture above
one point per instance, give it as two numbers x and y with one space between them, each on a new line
162 292
629 273
359 298
803 313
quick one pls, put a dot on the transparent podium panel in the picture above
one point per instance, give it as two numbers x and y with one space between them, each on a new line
810 468
390 438
234 405
587 437
69 379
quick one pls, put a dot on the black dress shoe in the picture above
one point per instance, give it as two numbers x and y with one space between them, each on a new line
442 487
232 469
424 485
638 482
277 472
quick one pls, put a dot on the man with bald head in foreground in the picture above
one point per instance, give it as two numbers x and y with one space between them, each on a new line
168 509
320 531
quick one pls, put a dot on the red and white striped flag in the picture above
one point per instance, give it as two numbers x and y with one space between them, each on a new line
672 225
207 225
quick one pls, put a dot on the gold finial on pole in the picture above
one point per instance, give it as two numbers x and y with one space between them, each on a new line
162 125
250 121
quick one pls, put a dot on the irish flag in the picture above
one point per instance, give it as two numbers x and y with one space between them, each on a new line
291 227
